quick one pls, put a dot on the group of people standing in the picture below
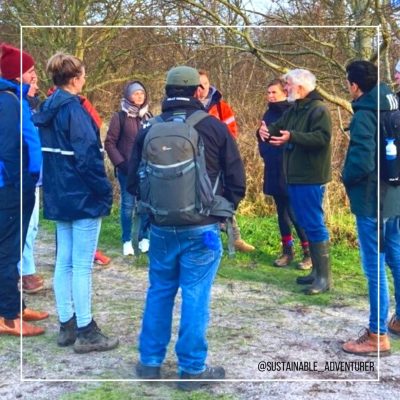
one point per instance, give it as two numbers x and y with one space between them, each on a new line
295 143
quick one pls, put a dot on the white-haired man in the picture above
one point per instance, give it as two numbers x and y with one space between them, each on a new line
305 131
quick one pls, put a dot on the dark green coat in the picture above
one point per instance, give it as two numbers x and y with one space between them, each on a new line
360 168
307 156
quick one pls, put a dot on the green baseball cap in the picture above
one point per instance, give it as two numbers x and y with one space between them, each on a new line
183 76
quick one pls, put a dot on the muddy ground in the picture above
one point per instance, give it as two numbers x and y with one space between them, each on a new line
250 324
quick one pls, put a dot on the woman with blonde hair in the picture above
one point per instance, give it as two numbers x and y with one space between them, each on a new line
76 194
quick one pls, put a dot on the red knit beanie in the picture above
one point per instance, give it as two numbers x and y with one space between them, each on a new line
10 61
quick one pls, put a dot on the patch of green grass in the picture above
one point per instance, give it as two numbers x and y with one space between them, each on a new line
262 232
349 282
134 391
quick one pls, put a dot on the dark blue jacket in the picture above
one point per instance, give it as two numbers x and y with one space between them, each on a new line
10 139
274 177
75 183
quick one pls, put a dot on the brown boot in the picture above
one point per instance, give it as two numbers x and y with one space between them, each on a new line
241 245
306 262
394 325
32 315
32 284
286 257
367 344
13 327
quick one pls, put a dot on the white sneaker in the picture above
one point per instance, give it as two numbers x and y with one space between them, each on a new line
144 245
128 249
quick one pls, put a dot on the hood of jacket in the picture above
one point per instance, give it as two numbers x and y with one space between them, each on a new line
369 100
313 95
177 103
52 104
14 87
146 95
214 97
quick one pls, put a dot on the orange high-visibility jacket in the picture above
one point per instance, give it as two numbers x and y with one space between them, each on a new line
222 110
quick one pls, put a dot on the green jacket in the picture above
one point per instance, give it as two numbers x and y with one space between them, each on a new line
359 173
307 156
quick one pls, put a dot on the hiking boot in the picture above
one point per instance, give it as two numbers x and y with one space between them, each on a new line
367 344
320 258
31 284
67 334
241 245
13 327
101 259
306 262
90 338
144 245
286 257
127 249
209 373
394 325
147 372
32 315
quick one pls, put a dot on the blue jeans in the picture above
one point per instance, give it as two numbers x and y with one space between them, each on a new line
306 201
179 258
367 229
127 208
391 232
76 245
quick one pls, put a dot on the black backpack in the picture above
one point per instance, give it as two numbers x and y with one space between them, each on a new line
390 135
173 182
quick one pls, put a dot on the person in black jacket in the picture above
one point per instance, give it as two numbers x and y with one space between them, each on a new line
76 194
275 182
186 256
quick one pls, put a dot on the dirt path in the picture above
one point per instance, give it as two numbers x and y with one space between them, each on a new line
249 325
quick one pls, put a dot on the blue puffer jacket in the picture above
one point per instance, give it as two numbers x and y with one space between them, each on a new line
10 95
75 185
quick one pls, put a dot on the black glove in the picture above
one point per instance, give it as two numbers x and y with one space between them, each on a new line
123 167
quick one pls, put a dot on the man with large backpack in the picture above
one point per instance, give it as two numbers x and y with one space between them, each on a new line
360 178
189 174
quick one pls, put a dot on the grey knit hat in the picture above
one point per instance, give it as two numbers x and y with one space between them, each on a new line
132 88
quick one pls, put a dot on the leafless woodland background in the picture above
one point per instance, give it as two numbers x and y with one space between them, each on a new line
243 44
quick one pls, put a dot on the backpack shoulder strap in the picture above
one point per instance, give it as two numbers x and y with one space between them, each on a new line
11 93
196 117
155 120
122 118
384 118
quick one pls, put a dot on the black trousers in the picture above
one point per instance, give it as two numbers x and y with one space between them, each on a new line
286 218
10 238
